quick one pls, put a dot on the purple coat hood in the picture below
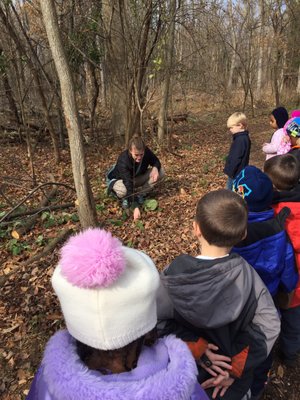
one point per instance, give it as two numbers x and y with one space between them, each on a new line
165 371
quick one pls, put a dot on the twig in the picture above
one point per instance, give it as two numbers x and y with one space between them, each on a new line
175 154
41 209
31 221
31 193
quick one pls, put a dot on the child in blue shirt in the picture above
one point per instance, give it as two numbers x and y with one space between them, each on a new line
266 247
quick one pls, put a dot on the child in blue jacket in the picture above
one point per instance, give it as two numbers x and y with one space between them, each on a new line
266 247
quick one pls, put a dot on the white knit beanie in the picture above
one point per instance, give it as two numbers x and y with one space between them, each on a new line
107 292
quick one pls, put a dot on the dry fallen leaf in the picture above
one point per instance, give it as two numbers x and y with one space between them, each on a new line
21 374
280 371
15 235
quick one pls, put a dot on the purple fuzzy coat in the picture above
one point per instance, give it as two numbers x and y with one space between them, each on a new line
165 371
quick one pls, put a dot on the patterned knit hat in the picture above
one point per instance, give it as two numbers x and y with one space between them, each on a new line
107 292
255 187
295 113
292 127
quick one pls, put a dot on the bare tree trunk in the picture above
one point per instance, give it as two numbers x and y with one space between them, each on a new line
276 78
10 98
234 45
260 52
85 202
92 92
116 66
298 87
36 77
61 129
283 69
169 55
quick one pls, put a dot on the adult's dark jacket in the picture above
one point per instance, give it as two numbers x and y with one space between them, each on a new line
127 169
225 302
239 153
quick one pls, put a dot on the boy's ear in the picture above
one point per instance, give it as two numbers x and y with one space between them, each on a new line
197 231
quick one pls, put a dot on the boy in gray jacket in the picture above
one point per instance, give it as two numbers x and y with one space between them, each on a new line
218 298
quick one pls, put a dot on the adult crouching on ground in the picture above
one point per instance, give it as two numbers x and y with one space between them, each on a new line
134 175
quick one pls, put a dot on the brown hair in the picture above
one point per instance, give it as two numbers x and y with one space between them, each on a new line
126 357
283 170
222 217
137 142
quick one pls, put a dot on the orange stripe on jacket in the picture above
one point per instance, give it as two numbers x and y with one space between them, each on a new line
238 363
198 348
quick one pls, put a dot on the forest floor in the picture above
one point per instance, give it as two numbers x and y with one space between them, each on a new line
29 310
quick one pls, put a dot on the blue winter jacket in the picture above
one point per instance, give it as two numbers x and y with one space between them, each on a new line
268 249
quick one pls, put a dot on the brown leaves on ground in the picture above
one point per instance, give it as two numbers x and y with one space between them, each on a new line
29 311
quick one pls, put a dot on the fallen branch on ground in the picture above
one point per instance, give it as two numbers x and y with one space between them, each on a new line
41 209
31 193
30 222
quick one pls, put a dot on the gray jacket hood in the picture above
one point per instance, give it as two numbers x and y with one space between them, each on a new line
227 280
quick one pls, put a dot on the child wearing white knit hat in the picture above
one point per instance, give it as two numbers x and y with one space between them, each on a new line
107 293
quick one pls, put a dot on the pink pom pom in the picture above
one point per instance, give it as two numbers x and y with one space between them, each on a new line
93 258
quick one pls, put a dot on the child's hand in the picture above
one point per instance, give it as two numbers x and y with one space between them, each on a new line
222 387
217 359
220 383
136 214
219 363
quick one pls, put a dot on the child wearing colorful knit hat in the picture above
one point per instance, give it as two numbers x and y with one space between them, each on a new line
292 129
295 113
280 143
107 293
266 248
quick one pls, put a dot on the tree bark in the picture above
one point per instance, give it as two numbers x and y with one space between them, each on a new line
115 66
169 55
36 77
85 203
298 87
10 98
260 52
233 60
92 92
